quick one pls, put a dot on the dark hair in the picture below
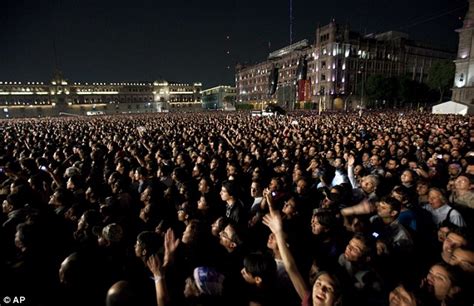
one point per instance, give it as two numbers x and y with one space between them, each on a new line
16 200
464 232
327 219
231 188
150 241
337 284
92 218
369 243
261 265
77 181
237 235
64 196
456 274
402 192
395 205
28 234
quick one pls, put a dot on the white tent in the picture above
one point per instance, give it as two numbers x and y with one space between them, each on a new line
451 107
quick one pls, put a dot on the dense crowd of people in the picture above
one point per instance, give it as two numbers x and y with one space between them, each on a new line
230 209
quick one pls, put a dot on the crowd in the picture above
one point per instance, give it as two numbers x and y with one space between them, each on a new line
229 209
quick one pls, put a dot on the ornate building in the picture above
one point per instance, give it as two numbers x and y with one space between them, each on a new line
463 90
338 65
33 99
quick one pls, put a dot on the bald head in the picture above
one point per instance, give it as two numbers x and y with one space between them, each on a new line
121 294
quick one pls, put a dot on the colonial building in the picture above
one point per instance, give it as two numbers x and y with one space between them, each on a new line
33 99
463 90
337 66
219 97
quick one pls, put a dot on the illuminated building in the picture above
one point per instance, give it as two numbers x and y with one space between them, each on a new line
463 90
33 99
338 64
219 97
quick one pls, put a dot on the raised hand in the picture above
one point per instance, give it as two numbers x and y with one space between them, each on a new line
273 221
170 244
350 160
154 265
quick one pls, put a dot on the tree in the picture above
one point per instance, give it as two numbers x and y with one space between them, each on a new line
374 87
441 76
229 100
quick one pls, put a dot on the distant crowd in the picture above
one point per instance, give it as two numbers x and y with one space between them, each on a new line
375 208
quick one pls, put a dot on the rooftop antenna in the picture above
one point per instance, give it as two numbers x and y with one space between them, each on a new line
291 22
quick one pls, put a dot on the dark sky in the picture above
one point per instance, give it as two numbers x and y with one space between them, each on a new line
186 41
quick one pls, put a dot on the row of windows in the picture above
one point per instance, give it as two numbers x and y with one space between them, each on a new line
22 102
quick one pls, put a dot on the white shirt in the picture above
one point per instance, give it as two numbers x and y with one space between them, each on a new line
440 214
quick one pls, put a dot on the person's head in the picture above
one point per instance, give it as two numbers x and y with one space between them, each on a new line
463 258
463 182
204 203
422 188
388 209
26 236
218 226
302 186
400 194
74 182
443 281
259 269
122 293
148 212
256 189
13 202
407 177
205 281
391 164
369 183
375 160
185 212
275 184
193 233
436 198
61 197
230 238
326 290
323 221
228 191
204 185
402 295
454 169
456 237
444 229
92 194
111 234
359 249
147 244
290 208
146 194
88 220
272 243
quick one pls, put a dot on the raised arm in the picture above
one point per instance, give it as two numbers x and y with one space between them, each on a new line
154 265
273 221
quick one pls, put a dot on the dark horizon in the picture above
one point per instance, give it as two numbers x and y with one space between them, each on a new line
189 41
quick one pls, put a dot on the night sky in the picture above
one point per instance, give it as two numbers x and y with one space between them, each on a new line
189 41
